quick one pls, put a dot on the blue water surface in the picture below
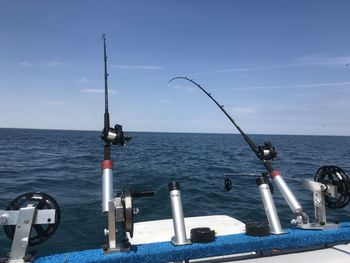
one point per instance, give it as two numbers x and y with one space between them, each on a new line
66 165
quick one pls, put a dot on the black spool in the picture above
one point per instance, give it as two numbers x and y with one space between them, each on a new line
39 233
257 229
202 235
333 175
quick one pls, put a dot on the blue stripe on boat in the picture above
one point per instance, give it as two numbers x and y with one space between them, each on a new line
223 245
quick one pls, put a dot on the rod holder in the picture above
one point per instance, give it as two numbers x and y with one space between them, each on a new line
178 216
107 184
286 192
269 206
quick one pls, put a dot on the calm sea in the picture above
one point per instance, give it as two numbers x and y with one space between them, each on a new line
66 165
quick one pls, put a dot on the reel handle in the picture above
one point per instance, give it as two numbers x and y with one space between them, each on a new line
140 194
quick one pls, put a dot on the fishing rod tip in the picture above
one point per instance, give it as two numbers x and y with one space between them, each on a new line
172 79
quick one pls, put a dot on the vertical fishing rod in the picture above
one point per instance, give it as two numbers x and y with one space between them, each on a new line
265 153
107 147
107 164
109 135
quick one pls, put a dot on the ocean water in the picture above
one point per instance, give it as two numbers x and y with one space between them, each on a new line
66 165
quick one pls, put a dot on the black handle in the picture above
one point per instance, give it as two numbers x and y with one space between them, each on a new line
140 194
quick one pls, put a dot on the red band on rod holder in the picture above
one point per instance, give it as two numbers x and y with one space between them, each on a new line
274 173
107 164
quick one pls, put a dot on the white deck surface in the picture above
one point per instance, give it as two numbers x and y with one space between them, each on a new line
163 230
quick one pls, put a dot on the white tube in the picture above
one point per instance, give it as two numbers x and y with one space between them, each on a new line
287 194
107 188
270 209
178 216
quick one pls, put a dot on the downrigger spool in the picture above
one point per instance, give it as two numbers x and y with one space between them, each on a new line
333 176
331 188
29 220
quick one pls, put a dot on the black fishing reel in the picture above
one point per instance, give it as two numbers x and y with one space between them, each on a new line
115 135
40 232
267 152
334 176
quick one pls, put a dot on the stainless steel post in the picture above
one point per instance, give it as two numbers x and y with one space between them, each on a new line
22 234
107 184
286 192
269 206
178 217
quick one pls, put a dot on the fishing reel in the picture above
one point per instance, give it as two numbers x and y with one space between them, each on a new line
266 152
115 135
29 220
333 176
126 198
121 210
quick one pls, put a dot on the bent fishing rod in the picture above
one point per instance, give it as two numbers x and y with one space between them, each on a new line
265 153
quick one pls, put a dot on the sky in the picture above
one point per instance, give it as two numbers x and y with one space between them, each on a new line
278 67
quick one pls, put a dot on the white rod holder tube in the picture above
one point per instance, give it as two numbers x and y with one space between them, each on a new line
107 184
269 206
286 192
178 216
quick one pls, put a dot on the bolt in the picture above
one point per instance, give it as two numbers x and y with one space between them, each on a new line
24 242
3 219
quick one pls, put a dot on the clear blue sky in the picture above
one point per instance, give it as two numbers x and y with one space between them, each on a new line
279 67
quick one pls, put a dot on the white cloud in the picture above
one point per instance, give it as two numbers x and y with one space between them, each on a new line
254 68
25 64
51 63
321 60
183 88
56 102
241 109
308 60
312 85
85 80
146 67
97 91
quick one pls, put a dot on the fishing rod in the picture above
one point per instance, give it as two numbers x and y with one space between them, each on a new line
109 135
265 153
107 146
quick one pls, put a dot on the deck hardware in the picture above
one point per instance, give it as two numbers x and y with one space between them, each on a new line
179 237
330 189
269 205
29 220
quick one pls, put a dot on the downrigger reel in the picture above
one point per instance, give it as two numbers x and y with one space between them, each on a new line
334 177
331 188
29 220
